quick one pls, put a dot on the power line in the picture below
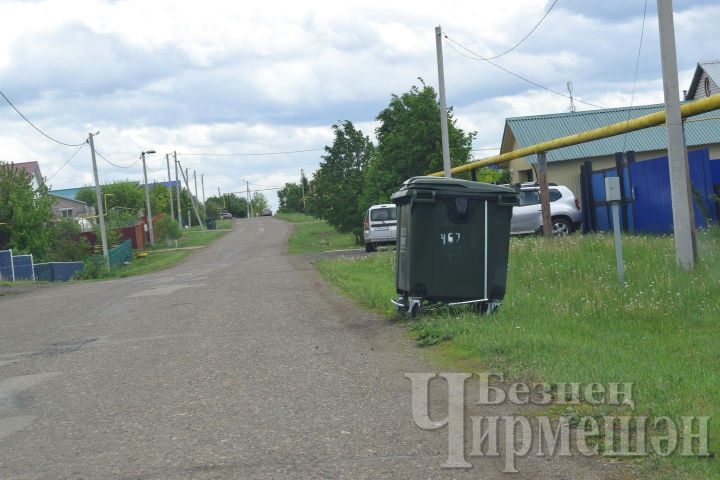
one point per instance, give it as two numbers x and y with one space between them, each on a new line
66 162
35 126
526 36
115 164
637 65
250 154
477 56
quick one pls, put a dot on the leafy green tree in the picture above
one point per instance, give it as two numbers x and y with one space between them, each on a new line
67 243
338 183
87 194
233 204
290 198
168 229
258 203
409 143
213 207
25 213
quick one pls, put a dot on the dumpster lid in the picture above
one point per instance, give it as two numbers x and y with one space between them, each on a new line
455 185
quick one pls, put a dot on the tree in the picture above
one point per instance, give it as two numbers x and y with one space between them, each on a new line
87 194
258 203
409 143
231 203
338 183
168 229
67 244
290 198
25 213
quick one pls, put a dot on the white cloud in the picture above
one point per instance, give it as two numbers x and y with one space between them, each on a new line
275 75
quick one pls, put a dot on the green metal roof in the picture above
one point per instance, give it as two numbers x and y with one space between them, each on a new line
702 129
68 193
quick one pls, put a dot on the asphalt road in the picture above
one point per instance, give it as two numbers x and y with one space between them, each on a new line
238 363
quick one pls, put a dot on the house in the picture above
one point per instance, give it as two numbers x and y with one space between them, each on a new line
701 131
33 169
705 82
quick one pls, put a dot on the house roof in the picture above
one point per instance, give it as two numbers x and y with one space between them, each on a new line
712 68
68 193
68 199
702 129
32 168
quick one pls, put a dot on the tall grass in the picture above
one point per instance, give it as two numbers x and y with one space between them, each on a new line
566 318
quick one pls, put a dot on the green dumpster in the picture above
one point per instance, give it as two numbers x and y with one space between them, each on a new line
210 223
452 242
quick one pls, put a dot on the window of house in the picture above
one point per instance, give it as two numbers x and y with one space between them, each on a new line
66 212
526 175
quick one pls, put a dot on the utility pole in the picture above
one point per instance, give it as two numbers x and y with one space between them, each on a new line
683 215
443 103
196 191
172 209
247 196
178 187
302 186
544 194
148 212
202 183
98 198
186 176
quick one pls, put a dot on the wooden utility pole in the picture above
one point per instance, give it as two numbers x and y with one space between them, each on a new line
544 194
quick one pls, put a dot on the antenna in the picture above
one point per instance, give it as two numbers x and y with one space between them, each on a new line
572 108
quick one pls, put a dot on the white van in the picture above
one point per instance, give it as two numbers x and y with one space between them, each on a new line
380 226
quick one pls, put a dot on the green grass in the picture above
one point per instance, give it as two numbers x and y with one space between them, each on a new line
296 217
566 318
152 262
313 236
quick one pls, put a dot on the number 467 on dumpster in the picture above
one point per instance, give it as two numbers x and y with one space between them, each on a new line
450 238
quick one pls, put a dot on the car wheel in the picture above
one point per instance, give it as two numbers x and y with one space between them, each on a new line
561 227
369 247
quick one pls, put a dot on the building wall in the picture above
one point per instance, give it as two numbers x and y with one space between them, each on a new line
568 172
80 209
700 91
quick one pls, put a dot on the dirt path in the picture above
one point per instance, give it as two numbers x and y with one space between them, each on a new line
237 363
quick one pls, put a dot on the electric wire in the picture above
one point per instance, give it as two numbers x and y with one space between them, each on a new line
115 164
477 56
526 36
249 154
637 65
66 162
35 126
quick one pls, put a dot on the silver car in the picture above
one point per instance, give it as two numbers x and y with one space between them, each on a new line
380 226
564 210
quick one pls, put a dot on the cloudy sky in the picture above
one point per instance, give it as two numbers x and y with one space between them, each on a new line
253 77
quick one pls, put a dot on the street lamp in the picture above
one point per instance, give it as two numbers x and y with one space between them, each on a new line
147 197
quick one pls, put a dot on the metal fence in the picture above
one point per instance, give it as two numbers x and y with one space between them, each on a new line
120 254
21 267
7 272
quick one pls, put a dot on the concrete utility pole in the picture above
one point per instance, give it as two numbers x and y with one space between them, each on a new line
683 215
197 198
186 176
443 103
172 209
178 187
247 196
98 197
148 212
302 186
202 184
544 194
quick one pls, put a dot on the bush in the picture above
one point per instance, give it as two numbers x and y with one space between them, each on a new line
67 245
168 229
94 267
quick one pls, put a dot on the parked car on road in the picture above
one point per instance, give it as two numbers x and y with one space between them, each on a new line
225 215
564 210
380 226
266 213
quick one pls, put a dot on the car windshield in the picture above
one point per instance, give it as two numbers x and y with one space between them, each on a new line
383 214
